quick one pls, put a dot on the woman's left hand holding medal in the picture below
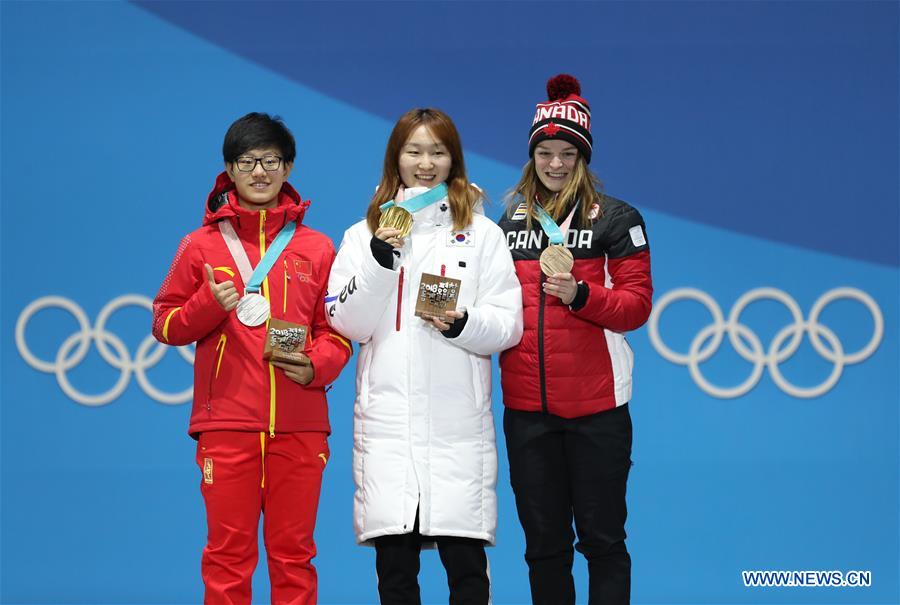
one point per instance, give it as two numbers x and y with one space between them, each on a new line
301 373
562 286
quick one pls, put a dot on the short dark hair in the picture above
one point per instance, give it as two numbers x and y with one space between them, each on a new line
257 131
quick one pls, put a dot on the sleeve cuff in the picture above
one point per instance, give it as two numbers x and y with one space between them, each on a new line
581 297
315 379
456 327
383 252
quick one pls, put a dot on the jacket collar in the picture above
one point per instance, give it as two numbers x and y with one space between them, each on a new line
437 215
222 203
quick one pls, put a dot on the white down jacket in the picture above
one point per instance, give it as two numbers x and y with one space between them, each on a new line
423 428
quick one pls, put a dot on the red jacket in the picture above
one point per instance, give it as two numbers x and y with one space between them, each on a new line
234 388
572 363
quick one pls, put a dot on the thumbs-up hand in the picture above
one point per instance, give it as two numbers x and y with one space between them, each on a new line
225 293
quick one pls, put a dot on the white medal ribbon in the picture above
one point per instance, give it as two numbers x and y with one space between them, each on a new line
564 227
252 309
237 250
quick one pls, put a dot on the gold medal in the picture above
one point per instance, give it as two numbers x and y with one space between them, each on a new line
398 218
556 259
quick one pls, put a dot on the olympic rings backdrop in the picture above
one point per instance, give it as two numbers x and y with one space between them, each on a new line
759 140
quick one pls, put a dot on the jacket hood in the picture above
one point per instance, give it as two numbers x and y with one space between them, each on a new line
222 203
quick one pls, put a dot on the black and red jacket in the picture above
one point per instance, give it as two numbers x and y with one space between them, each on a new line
574 362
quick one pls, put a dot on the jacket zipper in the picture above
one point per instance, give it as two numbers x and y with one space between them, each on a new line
265 290
223 340
286 279
399 296
542 370
220 347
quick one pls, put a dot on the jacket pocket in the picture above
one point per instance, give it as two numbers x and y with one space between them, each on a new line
299 285
287 278
221 344
362 386
481 380
462 265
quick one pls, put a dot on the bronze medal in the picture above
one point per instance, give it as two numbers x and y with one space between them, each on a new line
556 259
398 218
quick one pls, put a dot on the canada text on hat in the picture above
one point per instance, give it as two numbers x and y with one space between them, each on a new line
565 116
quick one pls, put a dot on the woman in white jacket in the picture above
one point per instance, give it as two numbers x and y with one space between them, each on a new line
424 459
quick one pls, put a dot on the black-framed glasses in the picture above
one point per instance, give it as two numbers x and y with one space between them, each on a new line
246 163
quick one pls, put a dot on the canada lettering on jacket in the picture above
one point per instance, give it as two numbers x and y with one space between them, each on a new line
563 112
522 240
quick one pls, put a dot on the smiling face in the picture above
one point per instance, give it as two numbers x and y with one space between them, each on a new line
259 188
554 162
424 160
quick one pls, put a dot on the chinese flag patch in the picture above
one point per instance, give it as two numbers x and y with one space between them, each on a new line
303 269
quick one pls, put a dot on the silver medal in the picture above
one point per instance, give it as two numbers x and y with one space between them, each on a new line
253 310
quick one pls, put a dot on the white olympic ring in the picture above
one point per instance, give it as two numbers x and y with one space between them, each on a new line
149 352
706 343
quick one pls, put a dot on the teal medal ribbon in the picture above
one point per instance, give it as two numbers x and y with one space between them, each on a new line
554 233
422 200
268 260
556 258
253 309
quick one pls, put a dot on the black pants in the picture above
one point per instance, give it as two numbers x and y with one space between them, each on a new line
397 565
563 467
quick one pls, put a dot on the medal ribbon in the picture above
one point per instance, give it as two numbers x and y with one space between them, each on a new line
554 232
253 282
422 200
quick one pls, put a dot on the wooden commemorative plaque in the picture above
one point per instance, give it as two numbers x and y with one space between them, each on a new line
285 342
437 295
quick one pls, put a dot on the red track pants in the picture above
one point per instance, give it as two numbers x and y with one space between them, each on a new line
245 474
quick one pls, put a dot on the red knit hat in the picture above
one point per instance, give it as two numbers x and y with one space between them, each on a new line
565 116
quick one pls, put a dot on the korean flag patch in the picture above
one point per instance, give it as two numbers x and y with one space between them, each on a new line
464 239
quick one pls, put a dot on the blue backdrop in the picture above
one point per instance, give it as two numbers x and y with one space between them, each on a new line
760 141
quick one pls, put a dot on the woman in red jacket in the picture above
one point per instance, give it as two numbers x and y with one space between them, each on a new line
261 424
584 265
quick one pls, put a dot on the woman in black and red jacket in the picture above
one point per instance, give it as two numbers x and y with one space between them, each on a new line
566 386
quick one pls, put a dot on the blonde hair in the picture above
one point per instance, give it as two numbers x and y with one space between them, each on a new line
584 186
